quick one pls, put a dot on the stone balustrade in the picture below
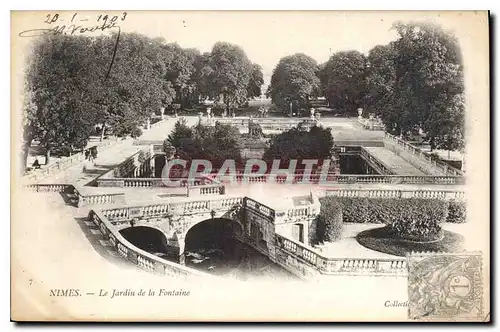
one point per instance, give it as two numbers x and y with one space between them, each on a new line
396 193
153 182
217 203
204 190
82 199
139 257
375 162
420 155
306 256
259 207
135 166
333 178
41 187
64 163
103 198
371 124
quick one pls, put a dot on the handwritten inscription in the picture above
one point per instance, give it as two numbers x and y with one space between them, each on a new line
75 24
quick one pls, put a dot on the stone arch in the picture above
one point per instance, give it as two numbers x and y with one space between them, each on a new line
228 227
217 236
149 238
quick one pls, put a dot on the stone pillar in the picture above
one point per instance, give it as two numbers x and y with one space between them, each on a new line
182 253
152 166
148 124
306 226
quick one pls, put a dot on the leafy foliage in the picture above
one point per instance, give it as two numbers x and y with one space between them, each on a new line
429 84
228 72
416 219
74 83
329 221
317 143
343 80
215 144
380 83
57 92
457 212
256 81
293 80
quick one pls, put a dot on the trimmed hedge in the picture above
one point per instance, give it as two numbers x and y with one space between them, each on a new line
329 222
418 219
457 212
414 219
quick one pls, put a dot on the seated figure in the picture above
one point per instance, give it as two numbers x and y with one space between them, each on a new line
36 164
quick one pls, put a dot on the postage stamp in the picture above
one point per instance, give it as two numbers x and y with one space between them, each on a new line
445 286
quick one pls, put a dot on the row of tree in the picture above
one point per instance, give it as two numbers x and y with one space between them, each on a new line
118 82
414 83
224 142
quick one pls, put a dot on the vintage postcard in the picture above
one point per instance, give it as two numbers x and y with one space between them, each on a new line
250 166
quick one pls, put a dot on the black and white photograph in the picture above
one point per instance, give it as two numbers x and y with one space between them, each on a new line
250 166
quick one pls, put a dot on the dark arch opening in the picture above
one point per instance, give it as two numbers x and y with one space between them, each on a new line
212 245
148 239
212 233
159 164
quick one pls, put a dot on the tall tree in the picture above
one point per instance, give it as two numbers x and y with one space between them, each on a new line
229 74
181 68
343 80
214 143
136 80
57 94
429 82
256 81
380 82
300 144
293 80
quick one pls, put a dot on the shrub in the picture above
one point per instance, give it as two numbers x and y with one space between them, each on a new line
457 212
360 210
135 132
418 219
329 221
415 219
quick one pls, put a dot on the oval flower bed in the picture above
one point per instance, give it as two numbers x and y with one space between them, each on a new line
384 239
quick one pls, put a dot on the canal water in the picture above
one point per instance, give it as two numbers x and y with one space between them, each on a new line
235 260
211 248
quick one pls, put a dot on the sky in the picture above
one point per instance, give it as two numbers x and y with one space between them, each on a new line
267 36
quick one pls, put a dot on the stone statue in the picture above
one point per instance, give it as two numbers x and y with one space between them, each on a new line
360 113
209 112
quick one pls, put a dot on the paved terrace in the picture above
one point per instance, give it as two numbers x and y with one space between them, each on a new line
394 162
263 192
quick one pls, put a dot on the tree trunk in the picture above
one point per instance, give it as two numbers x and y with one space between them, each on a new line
432 143
24 154
47 156
227 104
102 131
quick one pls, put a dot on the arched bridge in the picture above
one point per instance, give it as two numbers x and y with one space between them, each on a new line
257 221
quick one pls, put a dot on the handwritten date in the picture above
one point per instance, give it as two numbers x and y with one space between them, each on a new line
72 25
